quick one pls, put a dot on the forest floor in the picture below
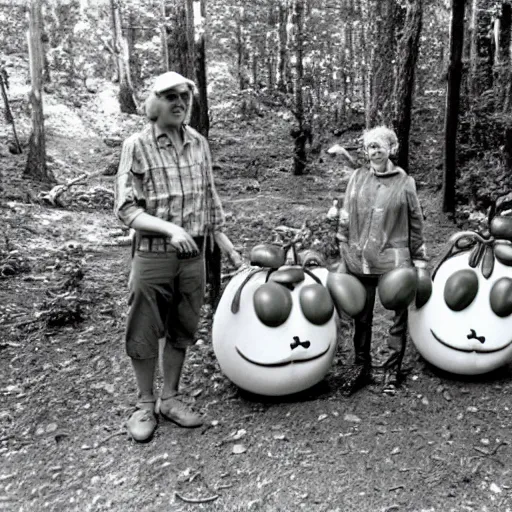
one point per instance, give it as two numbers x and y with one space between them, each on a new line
439 444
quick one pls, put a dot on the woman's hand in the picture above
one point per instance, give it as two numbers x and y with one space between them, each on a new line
235 258
181 240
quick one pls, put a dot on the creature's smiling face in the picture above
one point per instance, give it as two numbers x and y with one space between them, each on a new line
283 337
466 325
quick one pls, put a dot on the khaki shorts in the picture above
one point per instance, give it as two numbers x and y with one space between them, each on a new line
166 295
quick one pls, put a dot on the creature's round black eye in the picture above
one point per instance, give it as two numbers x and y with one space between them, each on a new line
316 303
503 253
501 297
272 303
461 289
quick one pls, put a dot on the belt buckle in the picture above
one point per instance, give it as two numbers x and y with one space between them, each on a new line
187 255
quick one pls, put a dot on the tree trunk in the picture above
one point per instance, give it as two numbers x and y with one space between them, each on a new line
243 73
120 45
406 69
283 51
508 149
365 52
46 64
9 118
503 62
350 53
452 104
133 60
383 75
203 119
466 56
185 38
481 49
164 38
36 161
302 134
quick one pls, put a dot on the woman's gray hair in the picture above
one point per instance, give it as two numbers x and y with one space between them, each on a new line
382 133
153 104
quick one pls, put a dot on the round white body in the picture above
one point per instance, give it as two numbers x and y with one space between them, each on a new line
266 360
468 342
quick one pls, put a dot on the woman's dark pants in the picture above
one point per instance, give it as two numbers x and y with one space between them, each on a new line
363 330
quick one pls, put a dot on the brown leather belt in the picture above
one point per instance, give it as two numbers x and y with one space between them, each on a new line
148 243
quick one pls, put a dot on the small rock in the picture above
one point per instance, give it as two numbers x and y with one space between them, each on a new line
425 401
485 442
494 488
322 417
239 449
352 418
447 396
395 451
472 408
52 427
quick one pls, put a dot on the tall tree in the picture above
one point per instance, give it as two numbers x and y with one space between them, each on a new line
502 61
185 51
36 167
303 132
481 48
384 44
121 49
283 47
242 50
406 69
203 124
453 104
9 118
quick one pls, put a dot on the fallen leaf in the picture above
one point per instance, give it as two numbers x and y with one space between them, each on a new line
241 433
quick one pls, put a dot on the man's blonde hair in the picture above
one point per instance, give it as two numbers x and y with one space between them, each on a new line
382 133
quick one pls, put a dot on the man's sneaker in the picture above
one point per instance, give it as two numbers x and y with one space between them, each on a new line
142 423
176 410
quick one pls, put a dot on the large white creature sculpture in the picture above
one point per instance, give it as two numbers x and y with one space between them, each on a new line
463 323
274 330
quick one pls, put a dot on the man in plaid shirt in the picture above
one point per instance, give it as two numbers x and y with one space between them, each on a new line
166 193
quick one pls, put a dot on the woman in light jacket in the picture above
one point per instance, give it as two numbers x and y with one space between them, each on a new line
380 229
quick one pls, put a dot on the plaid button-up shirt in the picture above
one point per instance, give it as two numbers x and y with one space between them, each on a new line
153 178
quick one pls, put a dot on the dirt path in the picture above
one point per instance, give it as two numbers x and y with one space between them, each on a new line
438 445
